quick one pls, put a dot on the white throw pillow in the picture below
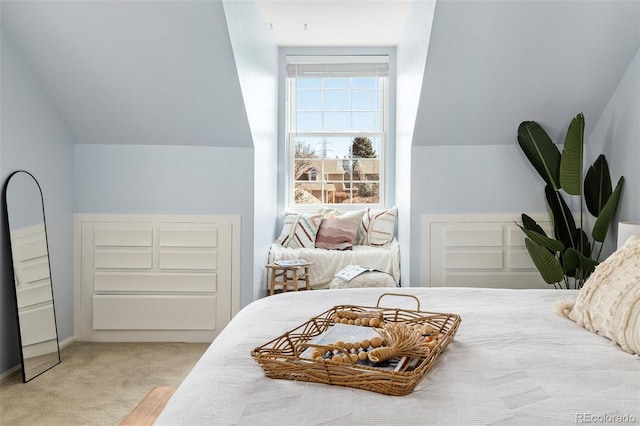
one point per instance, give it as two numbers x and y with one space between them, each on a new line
609 302
379 226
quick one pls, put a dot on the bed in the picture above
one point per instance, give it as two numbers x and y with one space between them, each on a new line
513 361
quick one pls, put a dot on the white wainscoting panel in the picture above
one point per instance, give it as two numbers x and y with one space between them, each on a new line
123 235
114 258
485 250
155 282
155 277
204 259
159 312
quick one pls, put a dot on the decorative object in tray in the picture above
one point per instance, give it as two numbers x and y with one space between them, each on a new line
380 349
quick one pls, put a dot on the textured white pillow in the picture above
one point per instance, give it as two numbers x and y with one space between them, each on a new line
609 302
380 226
299 230
366 279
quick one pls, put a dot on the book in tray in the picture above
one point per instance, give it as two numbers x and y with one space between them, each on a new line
350 334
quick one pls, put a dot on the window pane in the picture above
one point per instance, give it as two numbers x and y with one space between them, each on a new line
308 99
334 169
365 147
366 82
307 193
338 147
368 100
366 121
366 170
308 121
337 83
307 169
342 193
368 193
337 100
308 83
337 121
307 147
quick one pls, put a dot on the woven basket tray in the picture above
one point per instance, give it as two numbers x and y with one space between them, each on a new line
281 357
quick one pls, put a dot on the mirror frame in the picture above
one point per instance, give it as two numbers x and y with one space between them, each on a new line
6 202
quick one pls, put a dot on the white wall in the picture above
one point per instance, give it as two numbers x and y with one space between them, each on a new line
616 135
411 57
147 179
256 57
470 180
33 138
475 179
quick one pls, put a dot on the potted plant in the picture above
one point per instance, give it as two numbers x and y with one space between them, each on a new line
568 258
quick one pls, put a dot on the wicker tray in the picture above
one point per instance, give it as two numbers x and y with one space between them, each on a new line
281 357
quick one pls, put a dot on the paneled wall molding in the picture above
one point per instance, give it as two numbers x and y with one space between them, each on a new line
155 277
479 250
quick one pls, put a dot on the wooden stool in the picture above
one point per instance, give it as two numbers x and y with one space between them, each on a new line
282 272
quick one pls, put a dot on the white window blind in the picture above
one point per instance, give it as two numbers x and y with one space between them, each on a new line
337 70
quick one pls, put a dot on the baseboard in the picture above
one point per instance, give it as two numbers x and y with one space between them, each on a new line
10 372
66 342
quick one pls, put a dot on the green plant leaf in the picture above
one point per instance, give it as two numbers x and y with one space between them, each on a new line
570 262
571 160
576 260
548 243
548 265
597 186
564 225
583 245
532 225
542 153
601 227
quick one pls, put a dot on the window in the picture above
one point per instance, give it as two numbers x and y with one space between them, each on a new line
336 129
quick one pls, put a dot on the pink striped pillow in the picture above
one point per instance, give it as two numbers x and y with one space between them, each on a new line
299 230
337 231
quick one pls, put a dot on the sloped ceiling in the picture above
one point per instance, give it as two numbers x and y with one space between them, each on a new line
129 72
493 64
162 72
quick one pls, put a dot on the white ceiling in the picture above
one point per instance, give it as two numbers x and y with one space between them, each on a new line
335 23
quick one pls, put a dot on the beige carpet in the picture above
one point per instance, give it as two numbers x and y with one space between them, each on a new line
96 383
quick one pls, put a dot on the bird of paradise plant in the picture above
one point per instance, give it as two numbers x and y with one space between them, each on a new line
568 258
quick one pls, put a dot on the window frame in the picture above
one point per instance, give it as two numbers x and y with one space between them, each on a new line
383 135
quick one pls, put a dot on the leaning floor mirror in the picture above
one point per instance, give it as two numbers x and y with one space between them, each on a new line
24 206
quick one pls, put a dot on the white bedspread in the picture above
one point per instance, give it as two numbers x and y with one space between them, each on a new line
327 262
513 361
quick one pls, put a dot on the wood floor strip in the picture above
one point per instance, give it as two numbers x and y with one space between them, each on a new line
148 410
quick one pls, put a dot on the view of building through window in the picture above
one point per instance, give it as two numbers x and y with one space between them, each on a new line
336 133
